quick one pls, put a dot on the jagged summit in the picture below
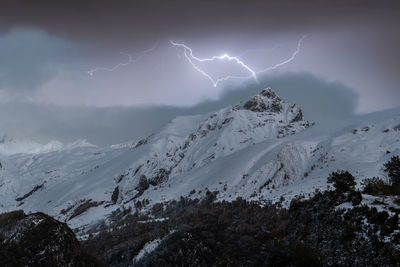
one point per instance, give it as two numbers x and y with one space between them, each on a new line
267 100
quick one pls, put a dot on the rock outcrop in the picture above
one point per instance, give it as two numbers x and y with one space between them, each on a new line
39 240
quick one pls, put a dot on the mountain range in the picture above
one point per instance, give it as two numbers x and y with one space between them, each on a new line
260 149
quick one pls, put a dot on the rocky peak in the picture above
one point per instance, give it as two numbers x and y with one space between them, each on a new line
267 92
267 100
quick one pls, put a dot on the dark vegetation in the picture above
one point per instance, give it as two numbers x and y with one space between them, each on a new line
378 187
342 181
39 240
392 168
313 232
331 228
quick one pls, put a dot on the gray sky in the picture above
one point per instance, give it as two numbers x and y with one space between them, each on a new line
47 48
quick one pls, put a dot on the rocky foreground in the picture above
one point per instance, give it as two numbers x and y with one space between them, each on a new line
39 240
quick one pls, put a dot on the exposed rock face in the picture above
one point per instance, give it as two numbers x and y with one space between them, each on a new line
39 240
115 194
162 176
36 188
267 100
298 117
143 184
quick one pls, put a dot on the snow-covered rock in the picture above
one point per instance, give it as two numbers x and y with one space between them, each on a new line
259 149
192 142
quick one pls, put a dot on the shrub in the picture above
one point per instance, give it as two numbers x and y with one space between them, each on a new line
392 168
356 198
303 255
374 186
377 187
343 181
12 215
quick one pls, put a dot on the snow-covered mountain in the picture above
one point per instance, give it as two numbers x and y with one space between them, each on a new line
11 145
259 149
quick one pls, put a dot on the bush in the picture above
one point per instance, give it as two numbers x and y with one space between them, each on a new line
374 186
343 181
377 187
303 255
356 198
9 216
392 168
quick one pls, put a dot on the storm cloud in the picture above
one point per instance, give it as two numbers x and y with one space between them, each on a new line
348 63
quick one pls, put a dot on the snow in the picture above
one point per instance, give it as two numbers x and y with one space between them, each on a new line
11 146
154 220
258 155
148 248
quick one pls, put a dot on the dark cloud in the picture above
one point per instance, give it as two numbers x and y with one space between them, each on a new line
130 22
357 43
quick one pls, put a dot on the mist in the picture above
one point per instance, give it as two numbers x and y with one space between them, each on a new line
325 103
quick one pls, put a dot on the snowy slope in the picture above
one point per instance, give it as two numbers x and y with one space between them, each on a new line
11 146
259 149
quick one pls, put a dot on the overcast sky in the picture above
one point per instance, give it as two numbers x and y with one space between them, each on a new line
47 49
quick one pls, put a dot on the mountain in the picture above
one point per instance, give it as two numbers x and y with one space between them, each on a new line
11 145
260 149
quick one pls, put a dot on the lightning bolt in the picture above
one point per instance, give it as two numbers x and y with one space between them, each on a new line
287 60
188 53
123 64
